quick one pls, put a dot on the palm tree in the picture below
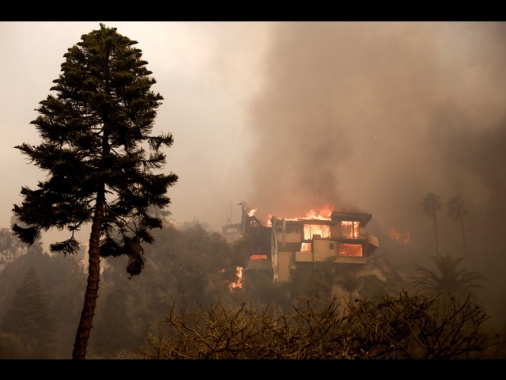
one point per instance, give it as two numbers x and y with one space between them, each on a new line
448 280
456 211
431 205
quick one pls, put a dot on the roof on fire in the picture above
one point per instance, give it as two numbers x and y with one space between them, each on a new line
361 217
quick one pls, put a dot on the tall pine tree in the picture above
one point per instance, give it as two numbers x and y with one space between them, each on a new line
100 158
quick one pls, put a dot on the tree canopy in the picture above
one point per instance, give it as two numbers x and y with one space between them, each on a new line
100 158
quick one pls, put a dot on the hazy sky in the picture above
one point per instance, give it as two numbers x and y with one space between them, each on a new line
293 116
207 74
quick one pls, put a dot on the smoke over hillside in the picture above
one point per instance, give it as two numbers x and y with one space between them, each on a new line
373 116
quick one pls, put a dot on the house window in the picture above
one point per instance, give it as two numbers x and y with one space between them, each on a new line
293 229
306 247
354 250
350 230
310 230
289 228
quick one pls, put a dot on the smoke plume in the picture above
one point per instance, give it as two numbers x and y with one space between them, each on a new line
372 116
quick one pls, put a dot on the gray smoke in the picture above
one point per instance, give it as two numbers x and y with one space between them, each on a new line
372 116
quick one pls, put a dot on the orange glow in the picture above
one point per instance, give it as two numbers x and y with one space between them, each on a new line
350 250
305 247
310 230
321 214
393 233
237 284
258 257
314 229
404 238
350 230
252 212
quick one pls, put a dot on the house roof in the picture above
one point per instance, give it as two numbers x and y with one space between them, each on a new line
361 217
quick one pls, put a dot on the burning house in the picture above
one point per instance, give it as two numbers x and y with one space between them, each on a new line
283 245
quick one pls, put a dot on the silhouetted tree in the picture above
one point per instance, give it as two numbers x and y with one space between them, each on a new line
66 301
431 205
99 154
10 247
13 251
456 211
29 316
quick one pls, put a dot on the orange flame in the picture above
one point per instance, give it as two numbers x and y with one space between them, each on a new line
237 284
309 229
404 238
321 214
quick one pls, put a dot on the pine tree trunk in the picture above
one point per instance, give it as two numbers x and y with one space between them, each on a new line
91 295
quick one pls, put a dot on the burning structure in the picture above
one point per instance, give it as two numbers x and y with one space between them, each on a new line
283 245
